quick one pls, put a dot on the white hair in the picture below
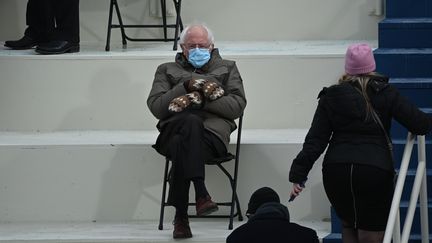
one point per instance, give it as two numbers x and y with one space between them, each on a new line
184 34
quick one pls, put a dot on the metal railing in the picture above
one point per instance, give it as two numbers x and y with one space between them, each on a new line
419 188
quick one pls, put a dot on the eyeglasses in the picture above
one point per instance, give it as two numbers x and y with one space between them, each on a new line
193 46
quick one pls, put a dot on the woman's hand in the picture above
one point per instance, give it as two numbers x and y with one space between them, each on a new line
296 189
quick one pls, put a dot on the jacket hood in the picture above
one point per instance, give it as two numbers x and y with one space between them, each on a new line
271 210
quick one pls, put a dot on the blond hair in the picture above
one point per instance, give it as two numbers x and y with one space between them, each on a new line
362 80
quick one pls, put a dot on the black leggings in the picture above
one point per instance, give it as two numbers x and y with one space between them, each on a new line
360 194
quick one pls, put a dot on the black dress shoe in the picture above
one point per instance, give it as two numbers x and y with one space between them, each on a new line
21 44
57 47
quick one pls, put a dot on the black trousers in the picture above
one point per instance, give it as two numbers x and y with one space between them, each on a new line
188 145
49 20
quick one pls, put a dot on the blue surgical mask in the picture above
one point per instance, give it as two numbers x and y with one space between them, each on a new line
198 57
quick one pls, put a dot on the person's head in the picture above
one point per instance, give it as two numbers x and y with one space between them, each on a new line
259 197
197 42
360 69
359 59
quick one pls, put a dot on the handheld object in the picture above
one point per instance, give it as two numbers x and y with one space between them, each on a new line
302 184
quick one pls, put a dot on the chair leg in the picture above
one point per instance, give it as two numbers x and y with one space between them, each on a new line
122 29
164 19
163 200
179 23
240 215
234 199
107 46
234 202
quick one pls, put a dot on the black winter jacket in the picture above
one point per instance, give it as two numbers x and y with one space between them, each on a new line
340 122
271 224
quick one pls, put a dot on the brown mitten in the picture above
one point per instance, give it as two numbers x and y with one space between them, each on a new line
194 84
182 102
212 90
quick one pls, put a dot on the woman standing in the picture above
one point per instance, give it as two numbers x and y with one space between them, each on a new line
354 117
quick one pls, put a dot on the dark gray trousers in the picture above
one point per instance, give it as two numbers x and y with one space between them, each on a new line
53 20
188 145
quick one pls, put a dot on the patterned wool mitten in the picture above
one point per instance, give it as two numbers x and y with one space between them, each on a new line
194 84
182 102
212 90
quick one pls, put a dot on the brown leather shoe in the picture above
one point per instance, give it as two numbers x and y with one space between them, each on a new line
205 206
181 228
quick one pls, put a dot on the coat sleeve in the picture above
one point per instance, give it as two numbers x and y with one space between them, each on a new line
232 104
409 115
314 145
162 93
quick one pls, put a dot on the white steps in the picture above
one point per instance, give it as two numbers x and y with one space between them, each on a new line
204 231
75 130
96 90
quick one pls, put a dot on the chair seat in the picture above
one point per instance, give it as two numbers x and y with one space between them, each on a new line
226 158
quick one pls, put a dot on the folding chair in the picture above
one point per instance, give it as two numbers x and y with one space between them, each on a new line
178 26
234 203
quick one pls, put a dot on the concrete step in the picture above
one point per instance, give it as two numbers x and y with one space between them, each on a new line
406 9
98 90
398 149
250 20
399 133
205 231
417 90
336 226
117 176
406 193
404 62
405 33
337 238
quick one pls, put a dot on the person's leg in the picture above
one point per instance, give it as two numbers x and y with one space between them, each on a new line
178 194
212 147
185 142
366 236
66 14
374 190
337 185
40 23
65 37
39 19
197 146
349 234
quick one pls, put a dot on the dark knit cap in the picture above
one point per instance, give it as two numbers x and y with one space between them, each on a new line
261 196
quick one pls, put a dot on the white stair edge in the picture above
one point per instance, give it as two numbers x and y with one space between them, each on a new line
228 49
203 230
137 137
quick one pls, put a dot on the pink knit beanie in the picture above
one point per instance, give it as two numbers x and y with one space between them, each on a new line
359 59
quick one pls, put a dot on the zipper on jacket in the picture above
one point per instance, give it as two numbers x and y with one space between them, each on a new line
353 197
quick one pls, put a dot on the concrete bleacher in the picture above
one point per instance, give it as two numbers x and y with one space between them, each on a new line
77 149
75 132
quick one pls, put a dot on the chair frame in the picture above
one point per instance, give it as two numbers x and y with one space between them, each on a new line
178 26
232 179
